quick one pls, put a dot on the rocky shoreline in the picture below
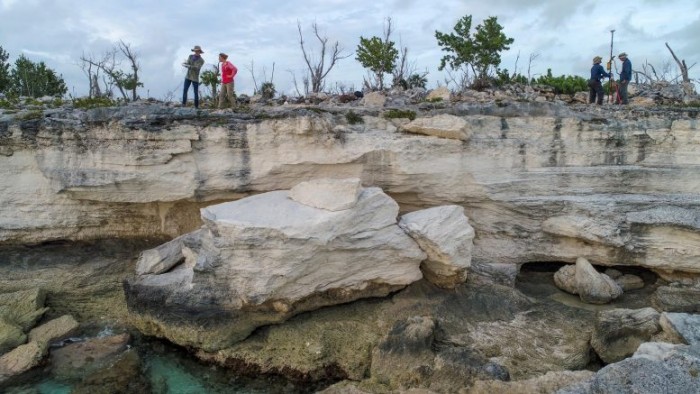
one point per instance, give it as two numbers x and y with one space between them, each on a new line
613 190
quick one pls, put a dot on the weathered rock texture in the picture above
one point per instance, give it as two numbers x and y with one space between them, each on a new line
583 279
263 259
539 181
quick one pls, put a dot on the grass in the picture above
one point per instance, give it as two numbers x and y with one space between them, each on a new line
399 114
353 118
93 102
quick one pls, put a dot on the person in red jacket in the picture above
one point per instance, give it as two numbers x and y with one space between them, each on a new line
228 72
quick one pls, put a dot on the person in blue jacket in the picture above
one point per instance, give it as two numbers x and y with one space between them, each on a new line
625 77
595 92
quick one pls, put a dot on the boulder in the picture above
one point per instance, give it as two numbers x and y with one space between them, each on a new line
629 282
618 332
684 299
583 279
444 126
11 336
20 359
374 100
676 371
328 194
23 308
441 93
265 258
446 237
162 258
82 358
547 383
54 330
682 325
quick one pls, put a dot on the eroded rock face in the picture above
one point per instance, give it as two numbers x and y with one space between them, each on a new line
263 259
445 235
539 181
619 332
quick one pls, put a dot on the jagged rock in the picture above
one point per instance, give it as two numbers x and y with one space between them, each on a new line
547 383
682 325
583 279
675 372
374 100
619 332
11 336
20 359
406 358
23 308
445 235
592 286
164 257
442 93
444 126
121 376
81 358
629 282
328 194
54 330
681 299
263 259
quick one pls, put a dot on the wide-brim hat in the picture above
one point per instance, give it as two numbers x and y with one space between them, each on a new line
597 59
623 54
197 48
225 56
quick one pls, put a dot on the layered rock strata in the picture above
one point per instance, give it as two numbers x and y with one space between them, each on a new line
539 181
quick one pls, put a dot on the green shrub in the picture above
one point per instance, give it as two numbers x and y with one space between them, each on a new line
398 113
267 90
353 118
435 100
564 84
30 115
94 102
8 103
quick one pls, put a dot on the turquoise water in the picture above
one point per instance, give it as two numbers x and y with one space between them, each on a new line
165 369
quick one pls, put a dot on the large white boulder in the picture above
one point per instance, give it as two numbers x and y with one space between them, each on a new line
583 279
263 259
445 235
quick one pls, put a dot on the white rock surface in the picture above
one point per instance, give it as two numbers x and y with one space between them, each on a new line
444 126
682 325
445 234
441 92
262 259
583 279
328 194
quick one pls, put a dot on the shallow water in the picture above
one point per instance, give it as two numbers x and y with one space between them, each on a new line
84 280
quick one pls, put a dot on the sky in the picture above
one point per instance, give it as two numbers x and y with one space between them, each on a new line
564 35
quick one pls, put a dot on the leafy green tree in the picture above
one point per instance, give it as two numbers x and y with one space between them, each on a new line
377 55
35 79
4 71
480 52
210 79
267 90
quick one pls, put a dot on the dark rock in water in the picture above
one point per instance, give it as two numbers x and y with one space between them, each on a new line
123 376
80 358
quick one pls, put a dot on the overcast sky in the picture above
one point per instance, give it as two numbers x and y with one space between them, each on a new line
565 33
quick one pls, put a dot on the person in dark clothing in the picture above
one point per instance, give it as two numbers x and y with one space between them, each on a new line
595 92
625 77
193 64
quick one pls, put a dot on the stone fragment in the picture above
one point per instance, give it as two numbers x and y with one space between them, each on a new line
54 330
374 100
11 336
441 93
328 194
594 287
20 359
161 258
446 237
444 126
23 308
547 383
565 279
682 325
619 332
684 299
630 282
81 358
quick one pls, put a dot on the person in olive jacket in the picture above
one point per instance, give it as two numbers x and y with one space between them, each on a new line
625 76
193 64
595 91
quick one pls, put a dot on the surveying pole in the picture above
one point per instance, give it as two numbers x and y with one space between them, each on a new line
610 80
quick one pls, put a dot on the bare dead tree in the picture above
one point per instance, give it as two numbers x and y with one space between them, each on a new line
256 89
533 57
131 81
305 83
317 68
681 64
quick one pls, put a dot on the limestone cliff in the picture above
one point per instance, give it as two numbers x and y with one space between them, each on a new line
538 181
